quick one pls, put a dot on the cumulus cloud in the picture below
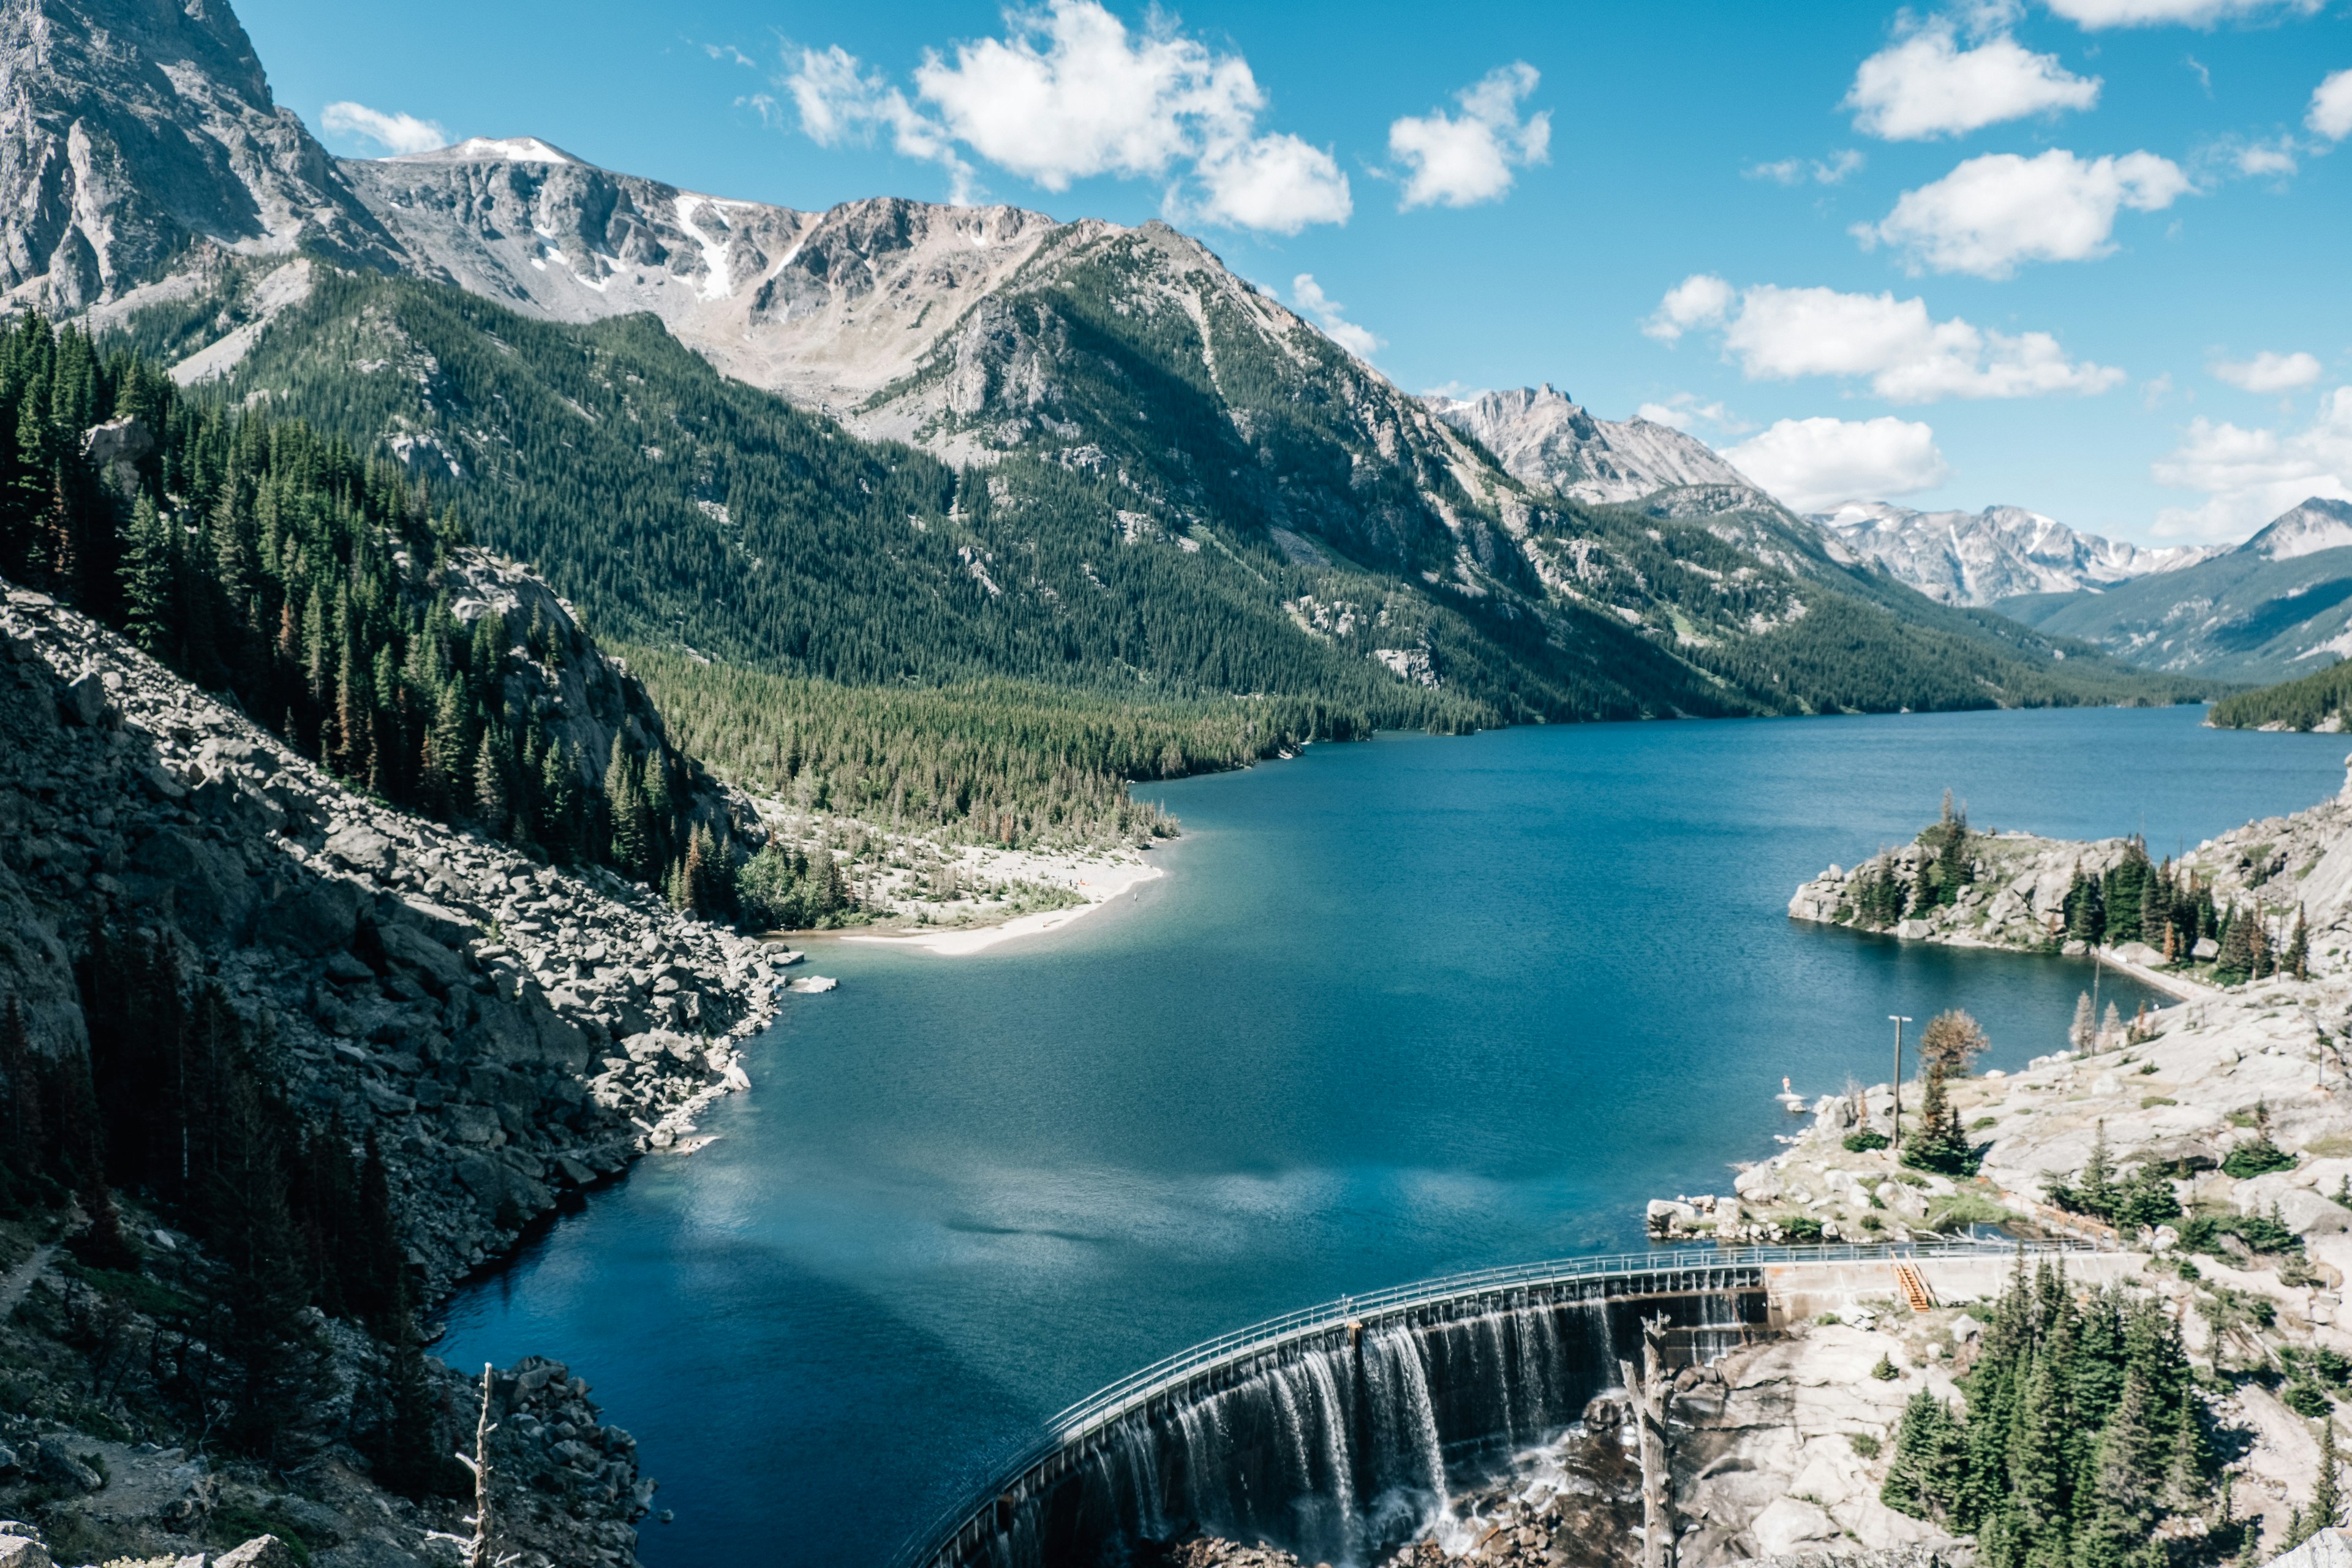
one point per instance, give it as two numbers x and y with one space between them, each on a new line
1331 316
840 103
2331 106
1905 355
2257 160
1459 161
1926 85
1994 212
1698 301
2268 372
2249 475
1071 92
1813 464
396 133
1687 411
1832 170
2097 13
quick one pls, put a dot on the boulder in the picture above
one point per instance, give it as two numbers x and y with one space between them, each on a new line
441 970
361 848
84 702
1790 1524
60 1468
1758 1184
318 914
23 1552
261 1551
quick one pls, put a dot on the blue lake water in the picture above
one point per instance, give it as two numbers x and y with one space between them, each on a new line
1399 1008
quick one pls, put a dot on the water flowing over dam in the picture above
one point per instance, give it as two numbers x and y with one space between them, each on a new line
1339 1431
1336 1432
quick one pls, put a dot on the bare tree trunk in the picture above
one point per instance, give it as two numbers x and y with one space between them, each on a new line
481 1552
1650 1393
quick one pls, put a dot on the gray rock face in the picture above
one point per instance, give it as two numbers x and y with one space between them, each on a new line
1978 558
1542 438
827 308
133 130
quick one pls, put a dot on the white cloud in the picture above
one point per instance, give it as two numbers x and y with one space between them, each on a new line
1687 411
2331 106
1698 301
1070 93
2268 372
1813 464
1907 356
1276 182
2249 477
1926 85
1994 212
1330 315
841 102
1459 162
2258 159
396 133
1832 170
2096 14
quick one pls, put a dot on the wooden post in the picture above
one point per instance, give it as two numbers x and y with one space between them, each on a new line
1649 1393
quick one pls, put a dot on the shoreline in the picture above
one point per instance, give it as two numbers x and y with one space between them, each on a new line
961 941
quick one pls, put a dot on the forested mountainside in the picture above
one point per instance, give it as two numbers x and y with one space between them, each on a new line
2269 609
1172 488
2315 701
321 591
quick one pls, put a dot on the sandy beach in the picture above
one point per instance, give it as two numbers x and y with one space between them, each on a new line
1100 882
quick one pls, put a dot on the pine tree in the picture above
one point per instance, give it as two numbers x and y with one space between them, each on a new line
2326 1509
490 794
2080 1032
147 580
2297 961
2235 962
2111 1028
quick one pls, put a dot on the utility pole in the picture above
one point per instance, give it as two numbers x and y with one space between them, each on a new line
1649 1393
1896 1141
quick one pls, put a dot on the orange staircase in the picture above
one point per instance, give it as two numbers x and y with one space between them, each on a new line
1914 1289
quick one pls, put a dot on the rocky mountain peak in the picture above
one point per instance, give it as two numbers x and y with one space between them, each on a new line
133 131
491 149
1543 438
2318 525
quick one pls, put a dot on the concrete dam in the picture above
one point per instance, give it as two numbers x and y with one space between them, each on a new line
1336 1432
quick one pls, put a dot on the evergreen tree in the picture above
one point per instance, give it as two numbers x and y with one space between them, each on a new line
490 794
2084 1029
2326 1509
2235 963
147 586
1923 1478
2297 958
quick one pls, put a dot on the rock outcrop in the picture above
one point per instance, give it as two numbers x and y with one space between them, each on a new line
1983 557
509 1032
1542 438
133 131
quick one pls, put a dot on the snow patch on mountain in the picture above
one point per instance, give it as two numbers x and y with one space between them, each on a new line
1542 437
1978 558
489 149
2318 525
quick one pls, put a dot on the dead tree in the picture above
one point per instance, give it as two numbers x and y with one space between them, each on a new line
1650 1393
481 1553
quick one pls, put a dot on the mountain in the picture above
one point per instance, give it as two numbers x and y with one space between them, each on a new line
1073 454
2278 606
2001 552
133 131
1542 438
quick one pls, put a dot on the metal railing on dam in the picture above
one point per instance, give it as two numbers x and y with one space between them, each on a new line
1324 1411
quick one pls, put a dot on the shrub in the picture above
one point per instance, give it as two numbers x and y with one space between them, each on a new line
2256 1159
1863 1444
2305 1400
1801 1227
1863 1142
1885 1371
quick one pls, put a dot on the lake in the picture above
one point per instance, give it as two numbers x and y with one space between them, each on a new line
1398 1008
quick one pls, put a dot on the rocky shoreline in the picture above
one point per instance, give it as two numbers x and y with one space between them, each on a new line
507 1031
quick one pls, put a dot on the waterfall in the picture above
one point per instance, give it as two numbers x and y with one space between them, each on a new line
1346 1440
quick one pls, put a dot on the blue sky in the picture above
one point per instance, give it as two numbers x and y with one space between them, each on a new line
2089 256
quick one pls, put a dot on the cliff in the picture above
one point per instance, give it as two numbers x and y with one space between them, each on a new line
503 1033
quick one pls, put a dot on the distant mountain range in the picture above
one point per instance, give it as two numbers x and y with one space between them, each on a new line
2001 552
2278 606
1004 445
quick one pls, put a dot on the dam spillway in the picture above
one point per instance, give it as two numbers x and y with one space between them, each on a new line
1337 1431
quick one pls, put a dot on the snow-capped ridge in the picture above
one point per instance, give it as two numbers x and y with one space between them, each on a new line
2318 525
492 150
1980 558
